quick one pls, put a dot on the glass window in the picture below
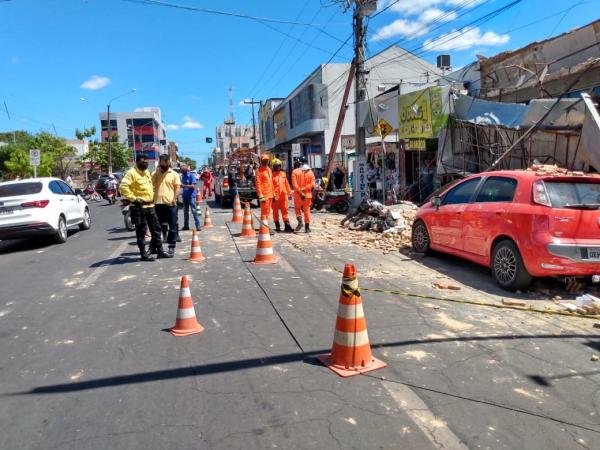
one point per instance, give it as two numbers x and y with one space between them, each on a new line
55 188
497 189
461 193
66 188
569 194
14 189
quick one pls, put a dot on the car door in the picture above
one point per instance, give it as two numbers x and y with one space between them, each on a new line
447 220
489 214
71 202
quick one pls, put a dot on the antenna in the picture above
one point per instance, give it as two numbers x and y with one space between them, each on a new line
231 119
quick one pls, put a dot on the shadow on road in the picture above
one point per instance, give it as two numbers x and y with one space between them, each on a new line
478 277
232 366
119 260
24 245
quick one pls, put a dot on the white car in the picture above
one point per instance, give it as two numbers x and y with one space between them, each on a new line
41 206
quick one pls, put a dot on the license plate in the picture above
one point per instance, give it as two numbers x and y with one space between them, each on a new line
593 252
6 211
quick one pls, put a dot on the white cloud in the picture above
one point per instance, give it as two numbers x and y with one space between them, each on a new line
95 82
416 6
172 127
463 40
414 28
191 123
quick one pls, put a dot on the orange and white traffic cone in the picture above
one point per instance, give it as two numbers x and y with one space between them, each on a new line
264 246
186 322
198 198
238 214
207 220
351 351
248 226
196 251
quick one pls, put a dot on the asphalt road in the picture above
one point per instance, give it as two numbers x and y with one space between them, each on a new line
86 362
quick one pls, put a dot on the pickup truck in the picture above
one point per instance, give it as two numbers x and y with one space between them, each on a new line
246 187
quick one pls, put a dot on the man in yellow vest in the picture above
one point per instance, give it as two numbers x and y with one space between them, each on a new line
137 187
166 191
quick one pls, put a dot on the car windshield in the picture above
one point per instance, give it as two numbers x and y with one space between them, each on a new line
14 189
573 194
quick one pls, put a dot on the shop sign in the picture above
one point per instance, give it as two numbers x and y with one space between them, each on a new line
296 150
361 168
421 114
348 142
417 144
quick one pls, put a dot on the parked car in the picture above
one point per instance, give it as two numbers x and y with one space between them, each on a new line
521 224
41 206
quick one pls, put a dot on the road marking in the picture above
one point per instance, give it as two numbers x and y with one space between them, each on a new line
436 430
91 279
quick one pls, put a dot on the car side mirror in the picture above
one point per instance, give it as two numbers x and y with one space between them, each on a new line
78 191
437 202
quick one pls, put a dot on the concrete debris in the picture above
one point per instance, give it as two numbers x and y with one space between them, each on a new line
446 286
596 324
509 302
548 169
586 304
594 358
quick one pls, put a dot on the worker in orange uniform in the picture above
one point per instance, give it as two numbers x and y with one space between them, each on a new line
296 177
307 184
264 186
282 192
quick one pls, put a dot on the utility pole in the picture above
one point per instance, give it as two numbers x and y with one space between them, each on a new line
362 8
252 102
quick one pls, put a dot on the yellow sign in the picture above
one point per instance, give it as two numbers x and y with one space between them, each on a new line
383 128
417 144
421 114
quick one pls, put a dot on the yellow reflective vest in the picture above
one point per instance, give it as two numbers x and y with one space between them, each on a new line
137 185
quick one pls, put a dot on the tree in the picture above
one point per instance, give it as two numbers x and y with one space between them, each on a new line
98 154
18 164
86 133
188 161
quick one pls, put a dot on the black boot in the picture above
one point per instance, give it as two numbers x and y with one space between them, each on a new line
161 254
288 228
307 228
171 251
300 223
277 226
145 255
152 250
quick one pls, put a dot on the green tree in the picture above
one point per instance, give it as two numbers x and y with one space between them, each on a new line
188 161
98 154
62 154
86 133
18 164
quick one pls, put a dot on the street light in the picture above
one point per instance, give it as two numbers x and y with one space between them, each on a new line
109 128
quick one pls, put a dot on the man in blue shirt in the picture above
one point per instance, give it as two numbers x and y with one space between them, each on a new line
188 184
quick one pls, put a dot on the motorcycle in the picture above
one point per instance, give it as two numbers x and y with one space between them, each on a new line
125 210
111 196
338 201
89 193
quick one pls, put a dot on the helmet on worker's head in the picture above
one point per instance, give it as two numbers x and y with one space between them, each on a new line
276 163
297 164
303 160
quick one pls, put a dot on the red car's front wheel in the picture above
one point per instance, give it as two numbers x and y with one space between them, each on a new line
420 238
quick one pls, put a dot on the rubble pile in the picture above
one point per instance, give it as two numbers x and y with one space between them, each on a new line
549 169
586 305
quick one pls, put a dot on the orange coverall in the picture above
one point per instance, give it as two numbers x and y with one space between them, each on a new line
307 184
282 191
296 177
264 190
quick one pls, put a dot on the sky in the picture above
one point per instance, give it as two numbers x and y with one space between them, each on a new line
54 52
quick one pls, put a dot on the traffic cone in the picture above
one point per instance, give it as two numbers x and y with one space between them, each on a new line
196 251
198 198
238 215
351 352
186 322
264 246
248 226
207 219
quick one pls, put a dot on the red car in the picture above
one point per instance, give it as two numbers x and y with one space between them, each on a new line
521 224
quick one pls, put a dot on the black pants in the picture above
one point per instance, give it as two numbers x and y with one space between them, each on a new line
142 219
167 216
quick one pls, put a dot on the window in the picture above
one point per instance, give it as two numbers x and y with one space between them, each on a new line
11 190
55 188
497 189
568 194
461 193
65 188
245 145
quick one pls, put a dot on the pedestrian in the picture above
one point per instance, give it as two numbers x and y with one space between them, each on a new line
264 186
338 178
232 179
207 180
137 188
188 184
282 192
306 186
69 180
296 177
166 190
